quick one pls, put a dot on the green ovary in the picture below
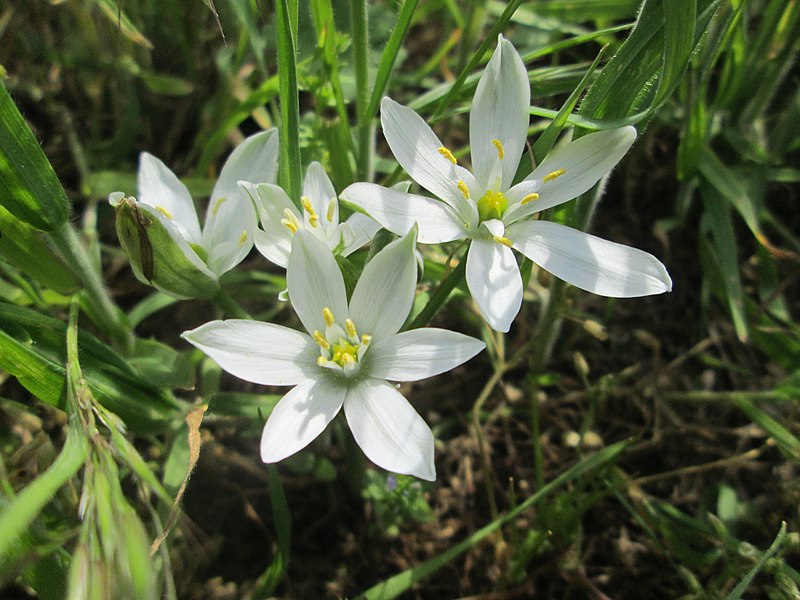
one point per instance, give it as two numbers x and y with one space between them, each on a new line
492 205
344 353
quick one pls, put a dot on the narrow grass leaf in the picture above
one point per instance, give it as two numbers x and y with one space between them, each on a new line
25 506
786 440
737 592
112 9
679 28
285 31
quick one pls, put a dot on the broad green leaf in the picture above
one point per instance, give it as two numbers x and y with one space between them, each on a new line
29 188
24 247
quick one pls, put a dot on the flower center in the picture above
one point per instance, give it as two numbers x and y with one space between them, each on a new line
492 205
340 350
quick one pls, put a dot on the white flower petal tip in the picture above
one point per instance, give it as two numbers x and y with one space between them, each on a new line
589 262
389 430
494 280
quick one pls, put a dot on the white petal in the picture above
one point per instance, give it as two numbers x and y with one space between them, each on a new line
589 262
584 161
299 417
258 352
389 430
494 281
360 229
416 148
315 282
275 241
229 231
254 160
500 112
397 212
160 188
385 291
319 190
420 353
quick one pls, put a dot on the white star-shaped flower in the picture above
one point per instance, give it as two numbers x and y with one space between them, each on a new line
281 219
351 350
228 233
484 207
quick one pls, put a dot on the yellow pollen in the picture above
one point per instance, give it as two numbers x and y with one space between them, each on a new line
313 219
350 328
331 210
217 206
448 155
320 339
243 238
289 221
164 211
462 187
501 153
529 198
344 353
554 175
366 339
347 359
327 315
503 240
321 361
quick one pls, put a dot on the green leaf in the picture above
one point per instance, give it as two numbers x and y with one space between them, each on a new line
786 440
113 10
736 593
24 248
23 509
289 129
29 188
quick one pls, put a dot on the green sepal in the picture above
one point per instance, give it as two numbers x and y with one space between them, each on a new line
156 258
29 188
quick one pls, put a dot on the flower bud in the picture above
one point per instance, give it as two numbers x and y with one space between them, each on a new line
158 254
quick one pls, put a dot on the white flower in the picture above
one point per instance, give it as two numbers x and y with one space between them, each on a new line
350 351
227 236
320 215
487 209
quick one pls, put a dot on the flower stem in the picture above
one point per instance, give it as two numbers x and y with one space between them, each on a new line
229 306
106 314
358 26
440 296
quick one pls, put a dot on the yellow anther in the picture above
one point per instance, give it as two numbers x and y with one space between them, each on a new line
313 219
366 339
529 198
503 240
290 221
331 210
350 328
448 155
320 339
217 206
554 175
347 359
321 361
243 238
327 315
501 153
164 211
462 187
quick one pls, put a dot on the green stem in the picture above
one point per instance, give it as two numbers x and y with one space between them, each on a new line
285 32
107 316
358 25
440 296
230 307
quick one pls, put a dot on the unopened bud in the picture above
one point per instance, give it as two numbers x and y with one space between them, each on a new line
595 329
581 366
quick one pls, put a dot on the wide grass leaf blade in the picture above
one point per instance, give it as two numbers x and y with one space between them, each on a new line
29 188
